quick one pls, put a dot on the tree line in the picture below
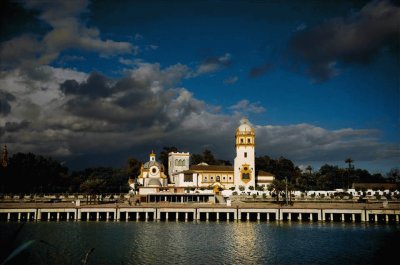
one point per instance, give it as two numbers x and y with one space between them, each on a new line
30 173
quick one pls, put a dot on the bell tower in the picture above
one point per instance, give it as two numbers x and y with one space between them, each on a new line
244 165
152 156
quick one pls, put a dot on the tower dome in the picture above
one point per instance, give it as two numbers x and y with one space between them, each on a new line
245 126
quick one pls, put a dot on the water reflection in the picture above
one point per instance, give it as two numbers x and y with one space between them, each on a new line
206 242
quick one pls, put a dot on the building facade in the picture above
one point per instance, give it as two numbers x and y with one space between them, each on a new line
244 163
241 176
152 174
177 162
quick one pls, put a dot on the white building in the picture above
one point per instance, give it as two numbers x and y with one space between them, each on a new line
244 168
177 162
241 174
152 174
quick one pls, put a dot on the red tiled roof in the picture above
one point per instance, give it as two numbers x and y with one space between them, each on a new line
264 173
211 168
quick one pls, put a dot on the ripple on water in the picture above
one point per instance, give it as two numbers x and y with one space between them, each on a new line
205 242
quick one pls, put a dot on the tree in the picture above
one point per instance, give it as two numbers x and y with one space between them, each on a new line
263 163
280 167
277 186
290 189
35 173
196 159
93 187
133 167
394 175
349 161
348 174
208 157
309 169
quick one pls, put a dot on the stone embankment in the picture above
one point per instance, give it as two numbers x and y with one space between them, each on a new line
386 212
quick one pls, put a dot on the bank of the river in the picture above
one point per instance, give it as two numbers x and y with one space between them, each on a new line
263 211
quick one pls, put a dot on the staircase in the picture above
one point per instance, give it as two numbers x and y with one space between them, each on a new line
220 199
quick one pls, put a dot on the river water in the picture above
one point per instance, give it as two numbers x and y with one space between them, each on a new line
201 243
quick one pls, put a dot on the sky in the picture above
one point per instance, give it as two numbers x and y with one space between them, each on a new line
92 83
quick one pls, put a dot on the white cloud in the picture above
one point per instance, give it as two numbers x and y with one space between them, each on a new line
245 106
213 64
67 32
231 80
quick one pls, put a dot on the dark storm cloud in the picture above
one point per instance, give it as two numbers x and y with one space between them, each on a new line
356 39
96 86
130 102
14 127
5 99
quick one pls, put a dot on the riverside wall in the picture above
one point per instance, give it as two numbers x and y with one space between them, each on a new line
304 212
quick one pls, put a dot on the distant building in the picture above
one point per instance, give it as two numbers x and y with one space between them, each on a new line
152 174
177 162
217 177
264 178
374 186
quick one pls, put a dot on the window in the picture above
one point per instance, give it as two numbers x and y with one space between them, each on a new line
248 140
223 178
205 178
241 140
188 178
230 178
218 179
245 154
211 178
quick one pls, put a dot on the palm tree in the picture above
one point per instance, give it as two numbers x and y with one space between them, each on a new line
277 186
309 168
349 161
290 188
